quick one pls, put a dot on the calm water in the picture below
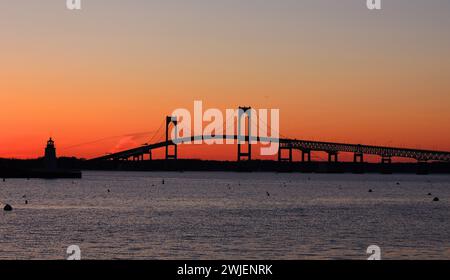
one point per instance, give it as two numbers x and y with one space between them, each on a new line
219 215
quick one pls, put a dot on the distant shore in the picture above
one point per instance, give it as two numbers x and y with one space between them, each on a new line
270 166
27 169
68 167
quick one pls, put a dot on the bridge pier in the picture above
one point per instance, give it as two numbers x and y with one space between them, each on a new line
333 156
244 155
139 157
306 155
173 155
358 157
170 143
386 160
280 154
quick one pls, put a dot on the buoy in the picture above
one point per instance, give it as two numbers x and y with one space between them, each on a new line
109 190
8 207
370 190
429 193
26 201
163 182
268 194
436 199
398 183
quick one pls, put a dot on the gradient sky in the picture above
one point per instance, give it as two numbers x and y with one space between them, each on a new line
102 79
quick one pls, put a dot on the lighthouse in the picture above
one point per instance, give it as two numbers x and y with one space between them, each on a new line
50 155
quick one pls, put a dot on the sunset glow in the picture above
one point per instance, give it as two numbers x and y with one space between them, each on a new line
103 79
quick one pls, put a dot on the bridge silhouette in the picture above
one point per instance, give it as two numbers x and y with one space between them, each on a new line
286 145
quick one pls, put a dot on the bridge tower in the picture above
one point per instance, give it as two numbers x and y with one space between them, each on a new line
170 143
242 138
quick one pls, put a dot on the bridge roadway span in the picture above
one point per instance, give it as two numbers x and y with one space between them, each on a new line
294 144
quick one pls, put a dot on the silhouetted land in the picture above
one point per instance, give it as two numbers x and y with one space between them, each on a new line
25 168
10 168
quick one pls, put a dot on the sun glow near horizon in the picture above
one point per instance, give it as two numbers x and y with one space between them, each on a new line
337 71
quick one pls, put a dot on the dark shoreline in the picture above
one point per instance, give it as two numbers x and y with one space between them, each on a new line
27 169
69 167
269 166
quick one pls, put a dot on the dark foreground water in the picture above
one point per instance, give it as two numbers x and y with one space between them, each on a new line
215 215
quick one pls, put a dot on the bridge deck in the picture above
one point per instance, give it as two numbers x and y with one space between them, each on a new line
421 155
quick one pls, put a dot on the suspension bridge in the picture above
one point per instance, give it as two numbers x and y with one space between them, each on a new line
285 150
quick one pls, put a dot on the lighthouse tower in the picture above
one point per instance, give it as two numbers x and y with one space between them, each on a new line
50 155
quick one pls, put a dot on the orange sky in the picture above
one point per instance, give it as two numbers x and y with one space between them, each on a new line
109 72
